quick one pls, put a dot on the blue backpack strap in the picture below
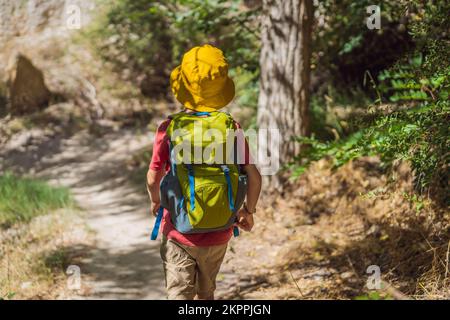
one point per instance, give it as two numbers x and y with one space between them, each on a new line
191 186
157 224
201 113
226 172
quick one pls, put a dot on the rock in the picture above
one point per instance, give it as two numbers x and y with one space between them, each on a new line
318 275
23 139
374 230
28 92
347 275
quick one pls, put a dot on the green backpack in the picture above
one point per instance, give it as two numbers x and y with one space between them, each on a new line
204 189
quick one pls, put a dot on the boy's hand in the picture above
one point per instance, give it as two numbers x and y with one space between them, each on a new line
244 220
155 206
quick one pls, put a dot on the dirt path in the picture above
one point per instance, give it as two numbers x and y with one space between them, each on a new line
123 263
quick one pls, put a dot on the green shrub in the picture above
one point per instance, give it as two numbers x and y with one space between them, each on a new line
148 38
21 199
410 118
419 135
332 113
244 106
344 48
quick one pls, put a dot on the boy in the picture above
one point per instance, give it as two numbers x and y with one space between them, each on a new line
192 260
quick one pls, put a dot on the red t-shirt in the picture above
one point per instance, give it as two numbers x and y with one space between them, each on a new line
160 160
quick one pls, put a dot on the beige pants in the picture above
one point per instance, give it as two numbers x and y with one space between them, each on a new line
190 271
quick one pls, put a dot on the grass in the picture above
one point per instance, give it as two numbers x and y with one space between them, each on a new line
34 256
21 199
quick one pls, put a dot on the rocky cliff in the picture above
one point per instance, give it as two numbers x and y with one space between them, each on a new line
33 37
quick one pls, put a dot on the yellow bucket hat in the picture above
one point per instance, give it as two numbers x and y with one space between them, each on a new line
201 82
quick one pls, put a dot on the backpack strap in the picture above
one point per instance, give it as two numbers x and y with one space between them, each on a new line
196 113
157 223
201 113
226 172
191 185
236 231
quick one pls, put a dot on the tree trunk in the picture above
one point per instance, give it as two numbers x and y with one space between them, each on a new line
285 71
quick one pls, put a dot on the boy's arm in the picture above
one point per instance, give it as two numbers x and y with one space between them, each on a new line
153 180
156 171
254 186
245 218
